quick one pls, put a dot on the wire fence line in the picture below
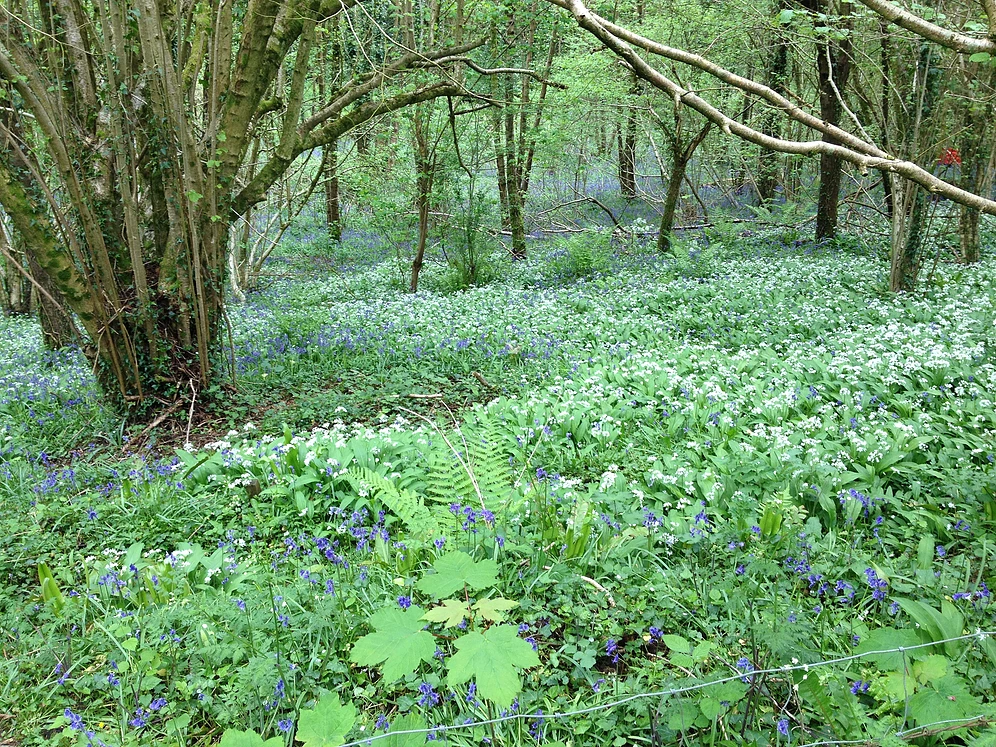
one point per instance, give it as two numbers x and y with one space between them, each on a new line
978 635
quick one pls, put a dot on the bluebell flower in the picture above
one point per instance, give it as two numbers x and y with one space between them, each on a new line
612 649
285 725
536 728
404 602
75 720
429 697
783 727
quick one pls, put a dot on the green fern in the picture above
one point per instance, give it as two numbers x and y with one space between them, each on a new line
471 468
405 504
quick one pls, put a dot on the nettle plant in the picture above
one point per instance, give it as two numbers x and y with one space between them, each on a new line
466 631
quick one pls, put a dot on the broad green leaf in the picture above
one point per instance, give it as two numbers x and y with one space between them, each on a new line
677 644
886 639
731 691
327 724
895 686
939 625
492 659
711 708
456 571
930 669
980 57
925 552
989 646
946 699
986 739
786 16
409 722
451 613
236 738
681 660
701 651
682 715
49 588
494 609
399 641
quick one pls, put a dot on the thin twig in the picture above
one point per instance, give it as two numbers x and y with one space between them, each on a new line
190 416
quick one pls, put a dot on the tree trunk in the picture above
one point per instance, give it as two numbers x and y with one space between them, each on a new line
974 156
833 66
682 154
333 216
15 290
425 168
627 153
885 57
670 204
769 160
909 218
58 328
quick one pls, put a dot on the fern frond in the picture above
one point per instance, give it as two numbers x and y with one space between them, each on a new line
471 467
405 504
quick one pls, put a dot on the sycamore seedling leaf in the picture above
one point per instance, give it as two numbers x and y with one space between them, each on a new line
398 641
493 659
410 722
327 724
495 609
236 738
451 613
456 571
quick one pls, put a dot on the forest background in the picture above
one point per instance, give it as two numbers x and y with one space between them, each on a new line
622 373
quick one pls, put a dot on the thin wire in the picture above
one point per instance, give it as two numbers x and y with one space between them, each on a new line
981 634
925 727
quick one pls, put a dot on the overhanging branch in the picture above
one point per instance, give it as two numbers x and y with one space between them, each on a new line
862 154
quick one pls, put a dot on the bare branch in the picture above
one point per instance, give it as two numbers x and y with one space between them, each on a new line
860 156
958 42
504 71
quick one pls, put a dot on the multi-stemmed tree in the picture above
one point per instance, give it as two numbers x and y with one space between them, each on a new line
135 120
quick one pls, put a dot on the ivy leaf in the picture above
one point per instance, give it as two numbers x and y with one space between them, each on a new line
193 196
494 609
236 738
492 659
786 16
455 571
451 613
327 724
398 641
408 722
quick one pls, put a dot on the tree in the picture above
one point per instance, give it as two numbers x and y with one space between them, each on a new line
836 141
147 109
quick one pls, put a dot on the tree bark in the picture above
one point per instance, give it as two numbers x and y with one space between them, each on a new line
833 67
626 139
681 154
425 167
768 160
